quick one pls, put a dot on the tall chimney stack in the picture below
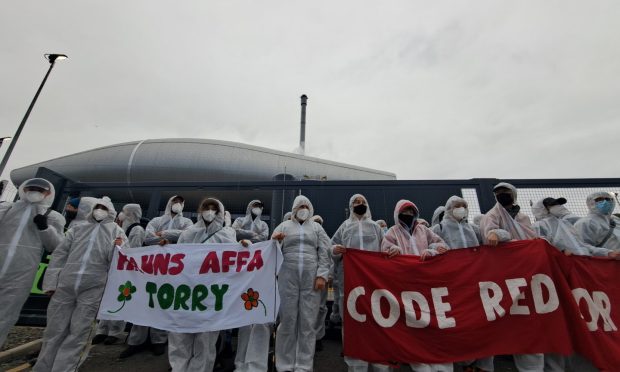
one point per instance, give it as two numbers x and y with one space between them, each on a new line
302 137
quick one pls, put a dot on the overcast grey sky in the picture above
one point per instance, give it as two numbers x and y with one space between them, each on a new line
427 90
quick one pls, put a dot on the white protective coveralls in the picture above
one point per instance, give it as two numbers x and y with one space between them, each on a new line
507 228
458 233
414 242
196 352
21 247
357 232
171 228
133 213
595 226
84 259
305 249
252 340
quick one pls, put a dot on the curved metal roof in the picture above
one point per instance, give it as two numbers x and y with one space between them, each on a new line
188 159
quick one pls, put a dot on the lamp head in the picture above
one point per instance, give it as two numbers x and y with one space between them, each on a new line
54 57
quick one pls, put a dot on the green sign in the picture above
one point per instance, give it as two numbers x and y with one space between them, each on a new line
37 285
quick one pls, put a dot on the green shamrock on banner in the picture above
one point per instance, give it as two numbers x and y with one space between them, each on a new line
125 295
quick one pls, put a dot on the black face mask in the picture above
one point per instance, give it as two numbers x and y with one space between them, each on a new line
360 210
406 218
504 199
70 215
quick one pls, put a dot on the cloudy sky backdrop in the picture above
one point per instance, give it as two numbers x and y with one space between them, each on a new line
427 90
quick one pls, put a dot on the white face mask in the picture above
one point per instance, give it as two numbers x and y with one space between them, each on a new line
460 213
177 207
257 211
558 210
208 216
303 214
34 196
99 214
121 216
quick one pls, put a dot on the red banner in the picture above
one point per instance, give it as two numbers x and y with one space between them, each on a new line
519 298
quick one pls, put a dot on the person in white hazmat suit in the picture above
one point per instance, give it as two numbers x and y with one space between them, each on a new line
302 276
84 259
110 331
169 226
502 223
196 352
253 340
165 229
560 233
599 228
457 233
359 231
27 228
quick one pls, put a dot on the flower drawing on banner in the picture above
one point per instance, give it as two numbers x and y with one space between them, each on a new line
125 291
251 300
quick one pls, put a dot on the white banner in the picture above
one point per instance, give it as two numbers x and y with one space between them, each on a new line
190 288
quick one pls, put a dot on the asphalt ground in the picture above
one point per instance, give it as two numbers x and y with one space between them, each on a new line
104 358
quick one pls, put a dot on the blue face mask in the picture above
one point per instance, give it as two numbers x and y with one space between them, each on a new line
605 207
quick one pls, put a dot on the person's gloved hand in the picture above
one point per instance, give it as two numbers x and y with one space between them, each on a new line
41 221
278 236
493 239
393 252
615 255
319 283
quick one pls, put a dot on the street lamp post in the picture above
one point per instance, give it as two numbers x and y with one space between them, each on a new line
52 58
